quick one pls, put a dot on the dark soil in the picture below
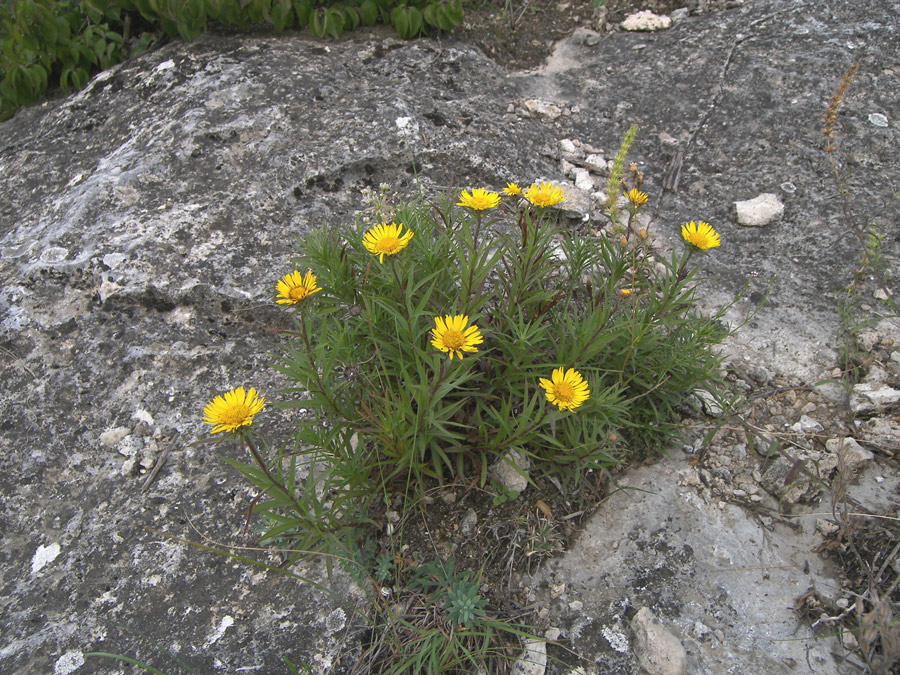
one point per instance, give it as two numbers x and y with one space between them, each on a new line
520 34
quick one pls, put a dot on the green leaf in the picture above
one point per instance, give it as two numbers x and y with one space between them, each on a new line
368 12
317 19
281 14
351 18
302 9
334 23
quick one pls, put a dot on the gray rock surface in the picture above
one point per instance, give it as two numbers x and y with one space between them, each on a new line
144 220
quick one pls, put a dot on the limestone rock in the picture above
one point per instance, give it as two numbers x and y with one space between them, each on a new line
533 660
658 651
583 180
596 163
852 454
870 397
785 479
645 20
760 211
468 523
512 470
578 205
543 108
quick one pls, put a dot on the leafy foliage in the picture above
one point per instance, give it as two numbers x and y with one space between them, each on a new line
48 43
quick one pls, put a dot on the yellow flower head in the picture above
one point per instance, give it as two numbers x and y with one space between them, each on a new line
547 194
512 190
636 197
479 200
294 287
625 292
233 410
700 234
384 239
451 335
566 390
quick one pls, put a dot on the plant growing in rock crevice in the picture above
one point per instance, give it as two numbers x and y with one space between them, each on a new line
429 347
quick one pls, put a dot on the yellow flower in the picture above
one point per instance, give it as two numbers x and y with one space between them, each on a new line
636 197
384 239
700 234
625 292
512 190
294 287
233 410
479 200
567 390
545 195
451 335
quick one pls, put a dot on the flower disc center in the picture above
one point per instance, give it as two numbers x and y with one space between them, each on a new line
564 392
388 245
454 339
235 414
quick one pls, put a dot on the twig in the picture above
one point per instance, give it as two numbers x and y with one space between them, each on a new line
156 467
19 358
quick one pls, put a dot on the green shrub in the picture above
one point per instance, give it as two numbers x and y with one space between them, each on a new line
48 43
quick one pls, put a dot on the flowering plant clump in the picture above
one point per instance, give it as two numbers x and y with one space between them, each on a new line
437 364
434 366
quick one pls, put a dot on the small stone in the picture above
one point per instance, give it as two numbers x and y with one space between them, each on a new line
680 14
826 527
878 119
596 163
111 437
557 590
552 634
469 521
869 397
543 108
700 630
583 180
852 454
512 470
760 211
533 660
880 294
43 556
850 642
708 401
568 150
646 20
129 446
576 605
876 375
739 493
657 650
807 425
